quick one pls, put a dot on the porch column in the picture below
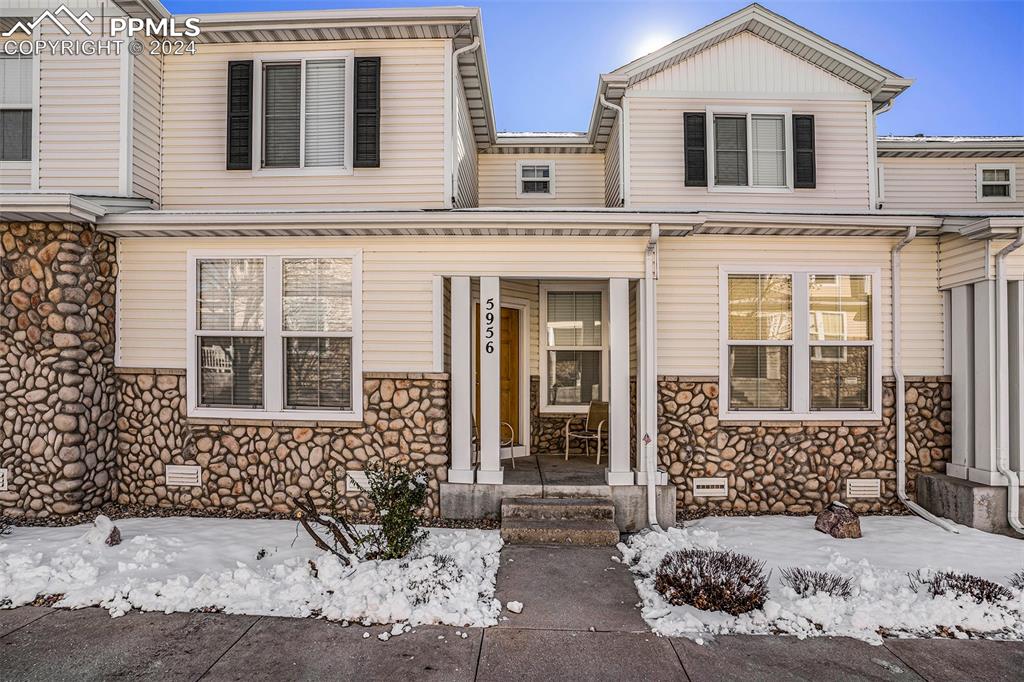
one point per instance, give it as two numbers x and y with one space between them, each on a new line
461 469
490 381
984 469
961 328
618 383
1015 298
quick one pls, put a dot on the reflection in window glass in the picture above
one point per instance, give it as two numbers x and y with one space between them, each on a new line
840 307
574 377
230 292
759 377
840 377
318 373
760 307
230 371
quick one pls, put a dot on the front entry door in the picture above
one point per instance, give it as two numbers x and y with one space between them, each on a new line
508 372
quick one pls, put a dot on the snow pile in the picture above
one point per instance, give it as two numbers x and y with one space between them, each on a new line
250 566
882 603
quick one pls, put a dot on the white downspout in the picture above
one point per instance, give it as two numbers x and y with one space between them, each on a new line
650 426
622 168
901 388
1003 388
475 45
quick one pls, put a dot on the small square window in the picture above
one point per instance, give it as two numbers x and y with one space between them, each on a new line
535 179
996 182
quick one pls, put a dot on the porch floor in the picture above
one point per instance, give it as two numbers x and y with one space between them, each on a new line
554 470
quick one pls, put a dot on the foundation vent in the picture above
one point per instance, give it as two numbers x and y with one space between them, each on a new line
3 480
356 481
710 487
863 487
183 476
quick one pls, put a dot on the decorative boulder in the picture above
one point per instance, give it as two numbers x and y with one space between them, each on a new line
839 521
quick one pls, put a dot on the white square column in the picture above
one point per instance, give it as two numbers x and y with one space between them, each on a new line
984 469
1015 343
618 472
490 381
961 341
460 458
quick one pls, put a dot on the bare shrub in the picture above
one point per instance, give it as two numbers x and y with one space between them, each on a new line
1017 580
712 580
938 583
806 582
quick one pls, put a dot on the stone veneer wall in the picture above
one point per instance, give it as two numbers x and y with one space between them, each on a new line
57 385
256 466
797 467
548 430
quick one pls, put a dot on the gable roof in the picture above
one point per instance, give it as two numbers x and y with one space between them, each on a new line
882 84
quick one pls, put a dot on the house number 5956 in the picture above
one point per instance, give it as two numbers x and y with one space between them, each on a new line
489 328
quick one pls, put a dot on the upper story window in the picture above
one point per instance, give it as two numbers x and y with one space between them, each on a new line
799 344
996 182
275 336
573 347
750 150
535 179
15 108
306 113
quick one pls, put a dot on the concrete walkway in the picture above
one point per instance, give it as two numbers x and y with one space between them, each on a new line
580 622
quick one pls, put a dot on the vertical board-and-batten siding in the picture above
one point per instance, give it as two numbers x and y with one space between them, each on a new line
397 285
146 108
688 293
612 169
411 173
940 184
578 179
79 119
746 72
466 164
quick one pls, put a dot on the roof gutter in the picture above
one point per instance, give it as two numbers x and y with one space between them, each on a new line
622 168
901 388
1003 387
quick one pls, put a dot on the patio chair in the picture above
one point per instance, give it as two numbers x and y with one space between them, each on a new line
594 429
474 441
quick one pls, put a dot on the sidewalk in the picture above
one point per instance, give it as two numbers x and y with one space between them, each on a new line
580 622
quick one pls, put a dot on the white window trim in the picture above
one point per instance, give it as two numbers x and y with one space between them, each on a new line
520 194
748 112
257 123
546 287
33 107
800 346
979 170
273 346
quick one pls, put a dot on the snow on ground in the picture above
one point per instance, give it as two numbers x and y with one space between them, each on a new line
181 564
882 599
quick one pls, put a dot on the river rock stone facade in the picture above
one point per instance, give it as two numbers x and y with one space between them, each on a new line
57 386
257 466
795 467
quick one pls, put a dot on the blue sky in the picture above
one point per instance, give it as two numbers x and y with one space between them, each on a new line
544 56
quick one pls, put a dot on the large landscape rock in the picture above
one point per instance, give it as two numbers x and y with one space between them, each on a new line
839 521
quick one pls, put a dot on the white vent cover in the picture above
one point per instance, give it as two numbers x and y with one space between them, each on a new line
863 487
356 481
3 480
710 487
183 476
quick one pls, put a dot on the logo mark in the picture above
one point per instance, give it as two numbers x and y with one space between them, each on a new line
69 16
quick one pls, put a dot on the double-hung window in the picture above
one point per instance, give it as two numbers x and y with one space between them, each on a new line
800 345
305 114
535 179
573 347
15 109
750 150
996 182
275 336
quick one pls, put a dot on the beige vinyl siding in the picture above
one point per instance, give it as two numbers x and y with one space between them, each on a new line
411 173
146 107
15 175
466 165
79 120
578 178
688 294
747 65
1014 262
397 285
965 261
656 176
612 170
943 184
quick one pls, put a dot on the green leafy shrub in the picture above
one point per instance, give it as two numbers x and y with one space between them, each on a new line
398 494
806 582
938 583
712 580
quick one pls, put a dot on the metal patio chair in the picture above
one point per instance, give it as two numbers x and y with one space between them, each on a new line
594 429
475 441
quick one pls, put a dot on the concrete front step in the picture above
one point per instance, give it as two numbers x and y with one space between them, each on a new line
592 532
555 508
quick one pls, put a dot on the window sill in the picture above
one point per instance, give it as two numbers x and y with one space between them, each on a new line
563 410
996 200
290 416
300 172
747 189
535 195
796 418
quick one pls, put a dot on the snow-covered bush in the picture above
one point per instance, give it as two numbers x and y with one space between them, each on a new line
5 526
806 582
398 494
712 580
938 583
1017 580
439 582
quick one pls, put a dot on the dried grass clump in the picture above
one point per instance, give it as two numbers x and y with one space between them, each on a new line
712 580
806 582
938 583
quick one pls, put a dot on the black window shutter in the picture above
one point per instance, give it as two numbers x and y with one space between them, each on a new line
367 113
239 115
695 149
804 174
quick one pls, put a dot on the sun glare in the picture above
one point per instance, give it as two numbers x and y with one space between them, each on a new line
651 42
